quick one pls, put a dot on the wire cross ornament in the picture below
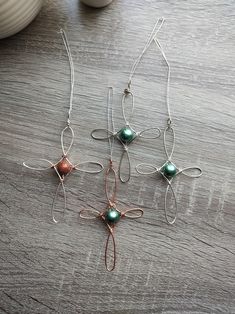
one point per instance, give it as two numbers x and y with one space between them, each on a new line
168 170
111 215
63 167
127 135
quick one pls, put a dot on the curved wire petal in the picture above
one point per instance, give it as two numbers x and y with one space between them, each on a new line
169 154
141 134
89 213
110 241
170 222
125 154
25 164
68 127
133 213
125 95
61 184
143 165
106 134
101 167
111 193
190 169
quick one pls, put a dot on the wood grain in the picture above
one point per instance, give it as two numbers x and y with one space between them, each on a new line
187 268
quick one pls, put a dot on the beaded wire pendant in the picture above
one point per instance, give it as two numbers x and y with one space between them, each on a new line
127 134
168 170
63 167
111 215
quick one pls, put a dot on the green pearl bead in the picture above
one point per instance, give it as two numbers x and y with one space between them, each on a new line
169 170
112 215
126 134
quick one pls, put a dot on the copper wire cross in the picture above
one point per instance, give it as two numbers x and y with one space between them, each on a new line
111 215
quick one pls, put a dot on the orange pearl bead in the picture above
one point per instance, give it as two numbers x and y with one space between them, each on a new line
64 167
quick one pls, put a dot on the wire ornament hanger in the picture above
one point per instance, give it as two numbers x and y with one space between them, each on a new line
168 170
127 135
63 167
111 215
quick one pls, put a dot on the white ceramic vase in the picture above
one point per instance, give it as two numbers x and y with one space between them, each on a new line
97 3
16 15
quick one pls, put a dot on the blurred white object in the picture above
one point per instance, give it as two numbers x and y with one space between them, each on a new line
16 15
97 3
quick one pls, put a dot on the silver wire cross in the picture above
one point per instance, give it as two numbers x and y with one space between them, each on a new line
126 135
169 171
63 167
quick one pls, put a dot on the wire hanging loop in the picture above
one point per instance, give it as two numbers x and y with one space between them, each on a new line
67 47
153 34
169 120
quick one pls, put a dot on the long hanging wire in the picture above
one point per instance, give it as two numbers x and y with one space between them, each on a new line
168 170
67 47
63 167
126 135
111 215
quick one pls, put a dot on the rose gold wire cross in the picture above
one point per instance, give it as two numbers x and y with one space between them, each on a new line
111 215
63 168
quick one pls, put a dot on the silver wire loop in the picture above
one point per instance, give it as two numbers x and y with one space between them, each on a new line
133 213
67 47
169 153
169 120
94 163
67 128
105 134
140 168
153 34
196 169
25 164
61 184
142 133
125 155
172 221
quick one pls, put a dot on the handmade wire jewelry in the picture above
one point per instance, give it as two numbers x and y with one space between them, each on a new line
127 135
63 167
111 215
168 170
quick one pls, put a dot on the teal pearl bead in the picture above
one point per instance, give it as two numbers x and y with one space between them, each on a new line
126 134
112 215
169 170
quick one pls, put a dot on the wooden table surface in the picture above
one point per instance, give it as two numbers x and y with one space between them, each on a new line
59 268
